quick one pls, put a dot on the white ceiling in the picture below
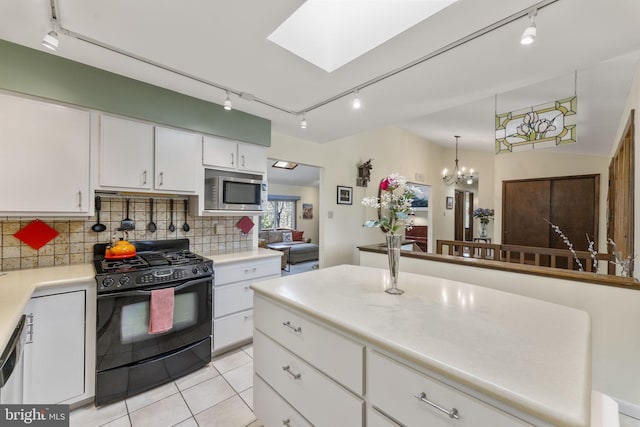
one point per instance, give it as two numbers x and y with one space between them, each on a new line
224 42
301 175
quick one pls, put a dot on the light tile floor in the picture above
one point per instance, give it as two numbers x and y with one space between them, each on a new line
219 395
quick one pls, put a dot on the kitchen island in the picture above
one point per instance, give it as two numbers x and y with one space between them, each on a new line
483 357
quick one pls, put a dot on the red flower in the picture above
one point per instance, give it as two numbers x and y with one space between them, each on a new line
384 184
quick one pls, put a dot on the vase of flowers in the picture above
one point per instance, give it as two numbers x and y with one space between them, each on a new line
484 215
394 207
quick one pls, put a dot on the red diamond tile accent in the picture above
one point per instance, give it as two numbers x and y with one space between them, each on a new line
36 234
245 224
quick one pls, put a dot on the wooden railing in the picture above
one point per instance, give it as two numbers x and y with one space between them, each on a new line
545 257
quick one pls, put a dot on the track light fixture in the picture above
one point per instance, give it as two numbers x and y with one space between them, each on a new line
303 122
356 104
529 34
50 40
227 103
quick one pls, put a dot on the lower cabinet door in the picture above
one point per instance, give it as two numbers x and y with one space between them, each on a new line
315 396
231 329
54 358
271 409
376 419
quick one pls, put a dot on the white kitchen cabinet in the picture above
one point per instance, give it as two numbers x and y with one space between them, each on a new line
54 356
177 155
232 155
44 166
274 410
126 153
233 299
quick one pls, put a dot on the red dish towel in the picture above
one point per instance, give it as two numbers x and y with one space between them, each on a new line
161 311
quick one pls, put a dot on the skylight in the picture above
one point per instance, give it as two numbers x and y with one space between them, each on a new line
332 33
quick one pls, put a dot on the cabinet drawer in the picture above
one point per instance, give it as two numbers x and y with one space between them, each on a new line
237 272
393 387
333 354
271 409
319 399
232 329
376 419
229 299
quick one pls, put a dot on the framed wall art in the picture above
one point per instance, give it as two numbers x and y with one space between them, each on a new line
345 195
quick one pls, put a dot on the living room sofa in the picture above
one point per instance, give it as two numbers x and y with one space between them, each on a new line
299 250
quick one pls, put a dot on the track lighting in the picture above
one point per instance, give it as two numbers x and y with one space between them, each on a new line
356 100
529 34
227 103
50 40
303 122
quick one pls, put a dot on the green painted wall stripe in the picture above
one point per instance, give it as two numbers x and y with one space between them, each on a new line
45 75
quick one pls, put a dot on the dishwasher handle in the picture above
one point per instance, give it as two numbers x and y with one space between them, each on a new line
12 352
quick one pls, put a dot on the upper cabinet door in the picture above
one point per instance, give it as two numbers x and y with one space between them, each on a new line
252 158
126 153
220 153
44 165
176 159
232 155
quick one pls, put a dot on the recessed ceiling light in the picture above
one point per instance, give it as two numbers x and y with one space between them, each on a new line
284 165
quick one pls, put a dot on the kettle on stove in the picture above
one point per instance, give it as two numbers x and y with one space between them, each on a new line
120 249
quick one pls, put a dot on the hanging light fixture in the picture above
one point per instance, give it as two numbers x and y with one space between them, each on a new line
457 174
303 122
529 34
356 104
227 103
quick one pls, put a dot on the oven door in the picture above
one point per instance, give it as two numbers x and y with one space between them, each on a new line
123 323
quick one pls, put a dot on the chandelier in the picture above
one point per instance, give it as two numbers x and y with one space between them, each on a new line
457 174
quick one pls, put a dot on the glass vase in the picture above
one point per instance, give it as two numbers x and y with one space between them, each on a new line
393 253
483 230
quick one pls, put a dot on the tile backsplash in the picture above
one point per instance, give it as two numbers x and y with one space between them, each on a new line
74 243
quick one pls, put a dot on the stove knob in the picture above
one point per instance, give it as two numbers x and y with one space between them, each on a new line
195 270
205 268
107 282
124 280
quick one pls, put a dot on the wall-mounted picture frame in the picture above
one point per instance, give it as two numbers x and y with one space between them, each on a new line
449 202
307 211
421 200
345 195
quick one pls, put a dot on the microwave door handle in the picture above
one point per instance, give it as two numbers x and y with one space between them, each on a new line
144 292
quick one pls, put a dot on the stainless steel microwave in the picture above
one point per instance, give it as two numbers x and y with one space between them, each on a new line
234 191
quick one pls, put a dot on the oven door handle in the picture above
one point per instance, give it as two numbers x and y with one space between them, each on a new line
145 292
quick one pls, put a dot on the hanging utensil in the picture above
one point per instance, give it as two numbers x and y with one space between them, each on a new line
172 227
185 226
98 227
152 225
127 223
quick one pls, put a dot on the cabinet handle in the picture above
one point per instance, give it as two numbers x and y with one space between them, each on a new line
29 328
232 159
288 324
243 160
80 199
246 288
422 396
250 270
144 177
286 422
288 371
161 178
248 316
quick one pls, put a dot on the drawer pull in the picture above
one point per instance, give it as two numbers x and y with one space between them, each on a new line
286 422
288 371
250 270
288 324
423 398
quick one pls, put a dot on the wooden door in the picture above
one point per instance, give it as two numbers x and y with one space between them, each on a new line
525 206
620 224
458 215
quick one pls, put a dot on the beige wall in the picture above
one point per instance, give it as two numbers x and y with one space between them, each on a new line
307 195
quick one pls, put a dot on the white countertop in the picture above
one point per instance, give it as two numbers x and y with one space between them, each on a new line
17 287
533 355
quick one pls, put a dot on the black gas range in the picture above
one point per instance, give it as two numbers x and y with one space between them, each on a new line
130 357
156 262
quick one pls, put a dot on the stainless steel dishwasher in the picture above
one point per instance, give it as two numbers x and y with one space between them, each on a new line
12 367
